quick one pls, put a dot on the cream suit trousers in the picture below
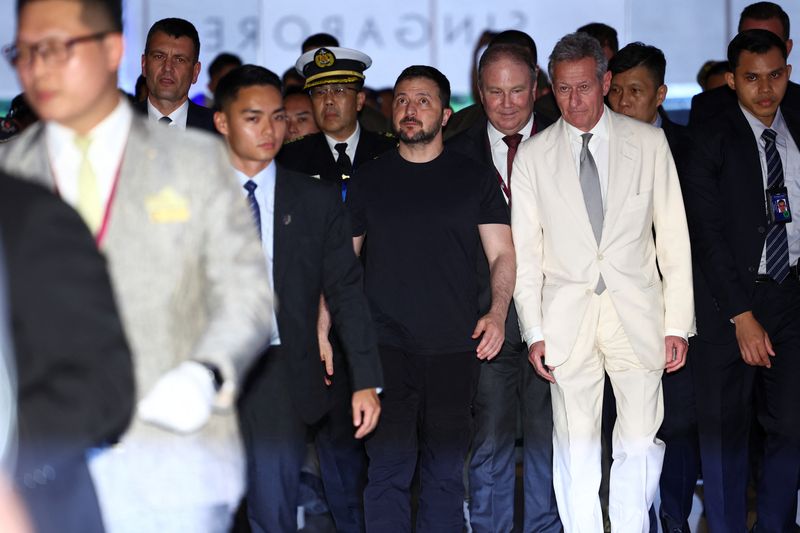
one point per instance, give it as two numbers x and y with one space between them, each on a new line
577 402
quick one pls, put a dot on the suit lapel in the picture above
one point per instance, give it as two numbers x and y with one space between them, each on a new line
622 155
283 226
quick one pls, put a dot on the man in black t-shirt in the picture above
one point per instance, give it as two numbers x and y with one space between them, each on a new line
426 209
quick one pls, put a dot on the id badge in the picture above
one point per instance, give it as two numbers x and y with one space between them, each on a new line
778 205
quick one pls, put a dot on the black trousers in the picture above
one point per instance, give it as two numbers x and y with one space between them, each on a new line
425 414
275 437
728 392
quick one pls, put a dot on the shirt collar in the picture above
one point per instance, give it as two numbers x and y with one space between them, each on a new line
351 141
778 124
599 131
178 117
109 130
496 136
263 179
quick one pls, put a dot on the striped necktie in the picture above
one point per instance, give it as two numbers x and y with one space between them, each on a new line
777 246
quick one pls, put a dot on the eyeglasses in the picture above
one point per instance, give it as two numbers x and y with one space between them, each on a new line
52 51
336 91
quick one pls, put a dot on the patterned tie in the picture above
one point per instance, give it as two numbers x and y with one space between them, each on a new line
777 247
251 198
592 196
165 120
512 141
344 166
88 196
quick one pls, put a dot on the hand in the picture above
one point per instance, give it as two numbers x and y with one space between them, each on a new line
366 411
326 356
753 341
13 517
536 358
675 352
181 400
493 329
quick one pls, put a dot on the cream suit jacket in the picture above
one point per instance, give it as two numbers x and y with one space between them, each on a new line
559 261
190 281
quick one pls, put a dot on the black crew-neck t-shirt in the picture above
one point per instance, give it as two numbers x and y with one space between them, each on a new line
421 222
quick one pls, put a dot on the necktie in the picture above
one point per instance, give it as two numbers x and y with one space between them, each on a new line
777 246
344 166
165 120
512 141
251 198
88 195
592 197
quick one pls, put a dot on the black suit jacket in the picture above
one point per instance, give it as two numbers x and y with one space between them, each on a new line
724 196
197 117
311 155
313 254
474 143
75 380
708 104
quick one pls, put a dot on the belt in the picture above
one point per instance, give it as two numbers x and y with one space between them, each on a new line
794 273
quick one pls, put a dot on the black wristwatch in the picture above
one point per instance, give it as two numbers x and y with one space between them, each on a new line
215 374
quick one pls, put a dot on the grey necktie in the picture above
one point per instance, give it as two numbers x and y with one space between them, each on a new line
592 197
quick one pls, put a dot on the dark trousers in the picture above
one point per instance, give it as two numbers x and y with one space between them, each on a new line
64 502
682 455
275 437
506 384
425 414
725 388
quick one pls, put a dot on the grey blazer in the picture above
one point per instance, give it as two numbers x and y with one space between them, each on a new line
190 280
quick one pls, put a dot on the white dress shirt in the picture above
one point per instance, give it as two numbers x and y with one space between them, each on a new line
178 116
107 147
265 196
352 144
790 159
598 147
500 149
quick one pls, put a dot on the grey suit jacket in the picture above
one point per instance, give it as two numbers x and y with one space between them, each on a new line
189 277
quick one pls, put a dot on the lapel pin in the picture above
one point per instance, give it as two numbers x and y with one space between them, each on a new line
287 219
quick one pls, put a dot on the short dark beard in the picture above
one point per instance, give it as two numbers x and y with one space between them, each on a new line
421 137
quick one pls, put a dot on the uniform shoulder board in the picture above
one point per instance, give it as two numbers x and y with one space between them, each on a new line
296 139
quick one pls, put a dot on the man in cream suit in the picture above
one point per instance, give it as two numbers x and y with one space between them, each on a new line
185 263
589 191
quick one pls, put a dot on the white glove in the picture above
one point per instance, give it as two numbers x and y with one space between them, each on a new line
181 399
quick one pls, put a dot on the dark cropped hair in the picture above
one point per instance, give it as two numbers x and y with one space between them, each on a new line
515 53
241 78
517 38
221 61
175 27
640 55
319 40
431 73
766 11
756 42
103 15
605 34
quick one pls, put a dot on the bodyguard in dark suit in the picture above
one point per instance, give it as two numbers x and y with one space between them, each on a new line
334 79
170 66
761 15
306 240
748 343
74 377
638 90
507 382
